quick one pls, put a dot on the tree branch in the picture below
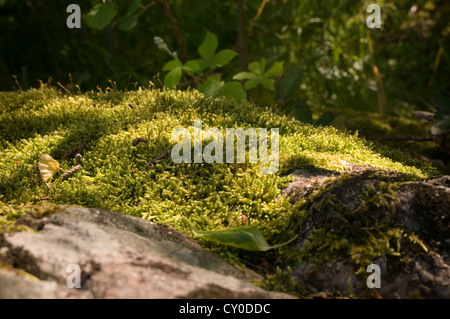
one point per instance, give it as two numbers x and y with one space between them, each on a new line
175 29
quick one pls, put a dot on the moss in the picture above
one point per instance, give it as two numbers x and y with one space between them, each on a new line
116 175
280 280
10 217
355 218
402 123
16 271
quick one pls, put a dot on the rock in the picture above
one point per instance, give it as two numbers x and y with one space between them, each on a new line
119 256
375 200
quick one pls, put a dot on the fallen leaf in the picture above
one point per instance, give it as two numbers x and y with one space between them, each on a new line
47 167
244 237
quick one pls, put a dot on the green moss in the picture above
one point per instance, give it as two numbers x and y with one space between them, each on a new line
280 280
356 220
116 175
10 215
401 123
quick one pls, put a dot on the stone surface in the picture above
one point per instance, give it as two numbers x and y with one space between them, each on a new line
119 257
422 207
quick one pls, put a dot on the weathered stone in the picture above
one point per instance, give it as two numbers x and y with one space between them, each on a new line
119 256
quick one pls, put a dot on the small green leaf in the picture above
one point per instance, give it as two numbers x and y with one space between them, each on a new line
223 57
245 76
101 15
192 66
255 68
209 46
290 81
252 84
135 4
202 64
127 23
275 70
245 237
172 65
262 66
172 78
211 86
268 84
233 90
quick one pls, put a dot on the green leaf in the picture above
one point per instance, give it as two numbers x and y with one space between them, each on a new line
262 66
172 65
302 112
135 4
209 46
268 84
252 84
290 81
127 23
245 237
192 66
172 78
224 57
211 86
275 70
203 64
442 126
101 15
233 90
245 76
255 68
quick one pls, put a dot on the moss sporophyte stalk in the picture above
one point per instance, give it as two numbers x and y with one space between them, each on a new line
118 142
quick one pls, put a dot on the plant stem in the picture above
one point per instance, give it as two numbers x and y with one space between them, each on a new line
175 29
241 36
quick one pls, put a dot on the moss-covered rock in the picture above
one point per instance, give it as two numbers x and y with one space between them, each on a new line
389 219
116 175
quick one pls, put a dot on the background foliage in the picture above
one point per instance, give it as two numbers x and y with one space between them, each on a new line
374 79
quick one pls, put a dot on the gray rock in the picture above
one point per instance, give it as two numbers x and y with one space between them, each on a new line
119 256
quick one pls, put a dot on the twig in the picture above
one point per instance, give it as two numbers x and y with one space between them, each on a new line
71 172
159 157
74 150
241 36
138 140
17 82
64 88
175 29
380 92
147 6
261 8
411 138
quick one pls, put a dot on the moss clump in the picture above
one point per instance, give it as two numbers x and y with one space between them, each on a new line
116 175
280 280
10 216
